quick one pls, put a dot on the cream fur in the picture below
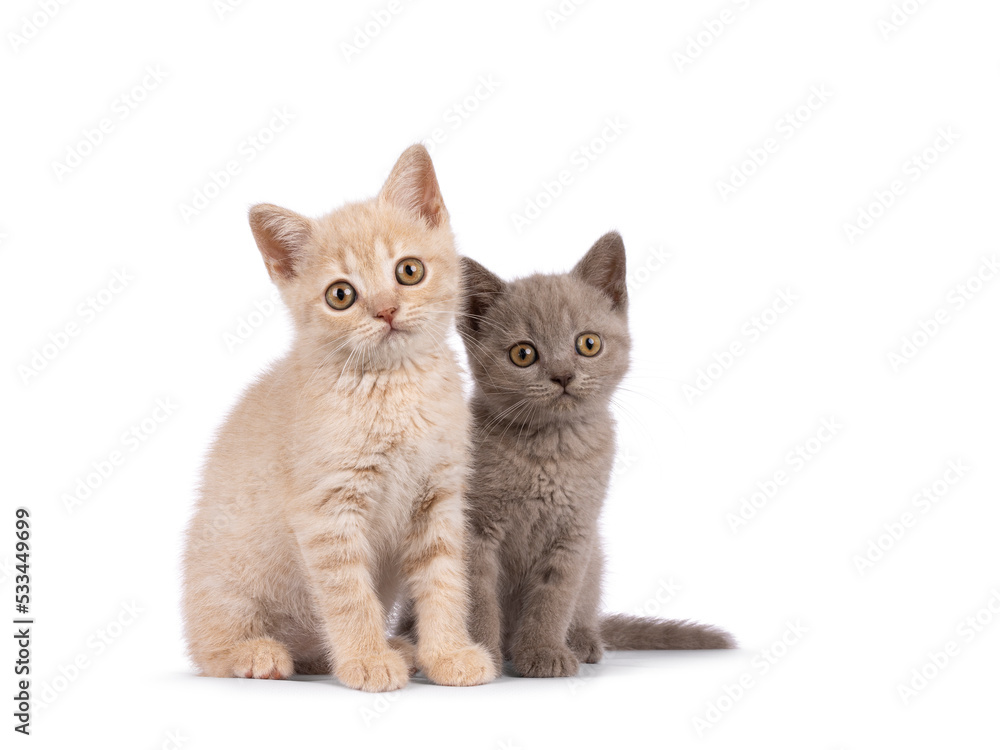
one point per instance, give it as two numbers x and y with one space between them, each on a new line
336 484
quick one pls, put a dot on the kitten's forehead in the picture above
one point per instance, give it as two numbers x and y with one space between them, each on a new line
364 239
365 256
555 304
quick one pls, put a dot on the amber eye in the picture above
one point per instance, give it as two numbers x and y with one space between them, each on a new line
409 271
340 296
523 354
588 344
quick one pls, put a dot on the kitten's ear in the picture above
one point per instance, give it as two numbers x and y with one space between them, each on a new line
280 235
481 288
604 267
413 186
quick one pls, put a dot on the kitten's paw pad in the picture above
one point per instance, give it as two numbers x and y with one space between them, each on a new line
407 650
469 665
375 674
546 661
587 646
261 659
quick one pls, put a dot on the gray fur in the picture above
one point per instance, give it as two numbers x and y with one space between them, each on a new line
541 464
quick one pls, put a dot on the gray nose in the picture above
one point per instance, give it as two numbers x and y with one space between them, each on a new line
562 380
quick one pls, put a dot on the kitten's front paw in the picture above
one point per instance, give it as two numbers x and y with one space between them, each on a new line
407 650
546 661
469 665
587 646
376 673
496 657
261 658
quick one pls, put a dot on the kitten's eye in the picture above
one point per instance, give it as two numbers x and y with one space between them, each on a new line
588 344
409 271
340 296
523 354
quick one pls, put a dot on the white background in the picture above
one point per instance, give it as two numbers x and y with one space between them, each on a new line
686 462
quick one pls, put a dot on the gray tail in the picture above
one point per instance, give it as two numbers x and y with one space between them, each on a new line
628 633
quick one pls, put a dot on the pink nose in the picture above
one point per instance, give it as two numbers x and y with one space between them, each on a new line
387 314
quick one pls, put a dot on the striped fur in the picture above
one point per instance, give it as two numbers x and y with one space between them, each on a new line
337 482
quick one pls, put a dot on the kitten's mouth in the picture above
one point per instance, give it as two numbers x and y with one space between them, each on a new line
392 330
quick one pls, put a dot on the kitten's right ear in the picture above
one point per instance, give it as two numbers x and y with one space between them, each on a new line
413 186
280 236
481 288
603 267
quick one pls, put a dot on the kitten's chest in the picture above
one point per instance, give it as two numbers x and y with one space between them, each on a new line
563 467
551 504
389 415
391 431
553 486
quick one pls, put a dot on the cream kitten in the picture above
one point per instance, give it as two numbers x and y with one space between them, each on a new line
337 482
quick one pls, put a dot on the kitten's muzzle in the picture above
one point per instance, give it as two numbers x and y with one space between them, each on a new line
387 314
563 380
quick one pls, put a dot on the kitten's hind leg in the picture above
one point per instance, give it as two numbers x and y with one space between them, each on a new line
228 638
261 658
406 622
586 644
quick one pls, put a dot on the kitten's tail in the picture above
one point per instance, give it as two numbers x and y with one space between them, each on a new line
625 633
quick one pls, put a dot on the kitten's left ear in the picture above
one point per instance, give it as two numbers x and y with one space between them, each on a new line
604 267
413 186
481 288
280 235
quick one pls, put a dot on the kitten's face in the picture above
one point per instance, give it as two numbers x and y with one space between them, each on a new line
549 348
371 284
376 284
